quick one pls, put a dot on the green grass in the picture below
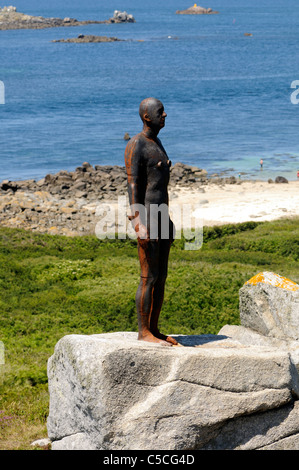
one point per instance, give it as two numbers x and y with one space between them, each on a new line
51 286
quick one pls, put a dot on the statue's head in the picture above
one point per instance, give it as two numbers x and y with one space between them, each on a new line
152 113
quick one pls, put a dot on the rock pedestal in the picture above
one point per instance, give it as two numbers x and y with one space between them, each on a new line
235 390
112 392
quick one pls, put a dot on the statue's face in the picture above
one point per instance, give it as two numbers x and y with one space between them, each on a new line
158 115
155 114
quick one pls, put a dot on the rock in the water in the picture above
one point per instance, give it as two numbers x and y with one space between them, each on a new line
196 10
113 392
11 19
8 9
269 305
84 39
122 17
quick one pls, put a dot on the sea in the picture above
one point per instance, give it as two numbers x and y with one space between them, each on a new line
229 83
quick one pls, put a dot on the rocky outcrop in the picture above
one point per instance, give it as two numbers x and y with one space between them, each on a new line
10 18
197 10
235 390
105 181
281 179
121 17
84 39
9 9
66 202
186 175
86 181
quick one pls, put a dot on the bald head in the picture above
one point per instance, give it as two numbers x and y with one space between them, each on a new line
152 114
148 106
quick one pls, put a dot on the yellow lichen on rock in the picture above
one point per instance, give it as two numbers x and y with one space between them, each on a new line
274 280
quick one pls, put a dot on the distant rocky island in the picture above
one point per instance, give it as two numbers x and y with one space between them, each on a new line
10 18
84 39
197 10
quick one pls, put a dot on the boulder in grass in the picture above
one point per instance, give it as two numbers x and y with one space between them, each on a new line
269 305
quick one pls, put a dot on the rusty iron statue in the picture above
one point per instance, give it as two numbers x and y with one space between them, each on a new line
148 170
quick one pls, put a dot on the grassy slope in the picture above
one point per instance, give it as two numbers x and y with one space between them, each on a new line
52 286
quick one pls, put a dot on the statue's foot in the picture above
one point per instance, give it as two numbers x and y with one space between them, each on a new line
168 339
173 341
149 337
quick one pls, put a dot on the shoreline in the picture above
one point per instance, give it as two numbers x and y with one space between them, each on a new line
256 201
67 203
11 19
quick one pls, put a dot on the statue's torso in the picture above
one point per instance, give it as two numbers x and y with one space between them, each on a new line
156 171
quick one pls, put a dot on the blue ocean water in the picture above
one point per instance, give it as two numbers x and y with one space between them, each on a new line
227 95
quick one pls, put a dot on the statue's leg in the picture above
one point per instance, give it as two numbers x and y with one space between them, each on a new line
148 252
158 291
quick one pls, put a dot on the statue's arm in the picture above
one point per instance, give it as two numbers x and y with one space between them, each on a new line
136 182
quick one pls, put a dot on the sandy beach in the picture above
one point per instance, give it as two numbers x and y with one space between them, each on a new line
248 201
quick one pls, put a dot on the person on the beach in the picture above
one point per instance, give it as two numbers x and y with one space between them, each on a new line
148 169
261 163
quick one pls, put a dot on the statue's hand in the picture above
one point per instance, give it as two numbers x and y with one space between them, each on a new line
172 231
141 231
